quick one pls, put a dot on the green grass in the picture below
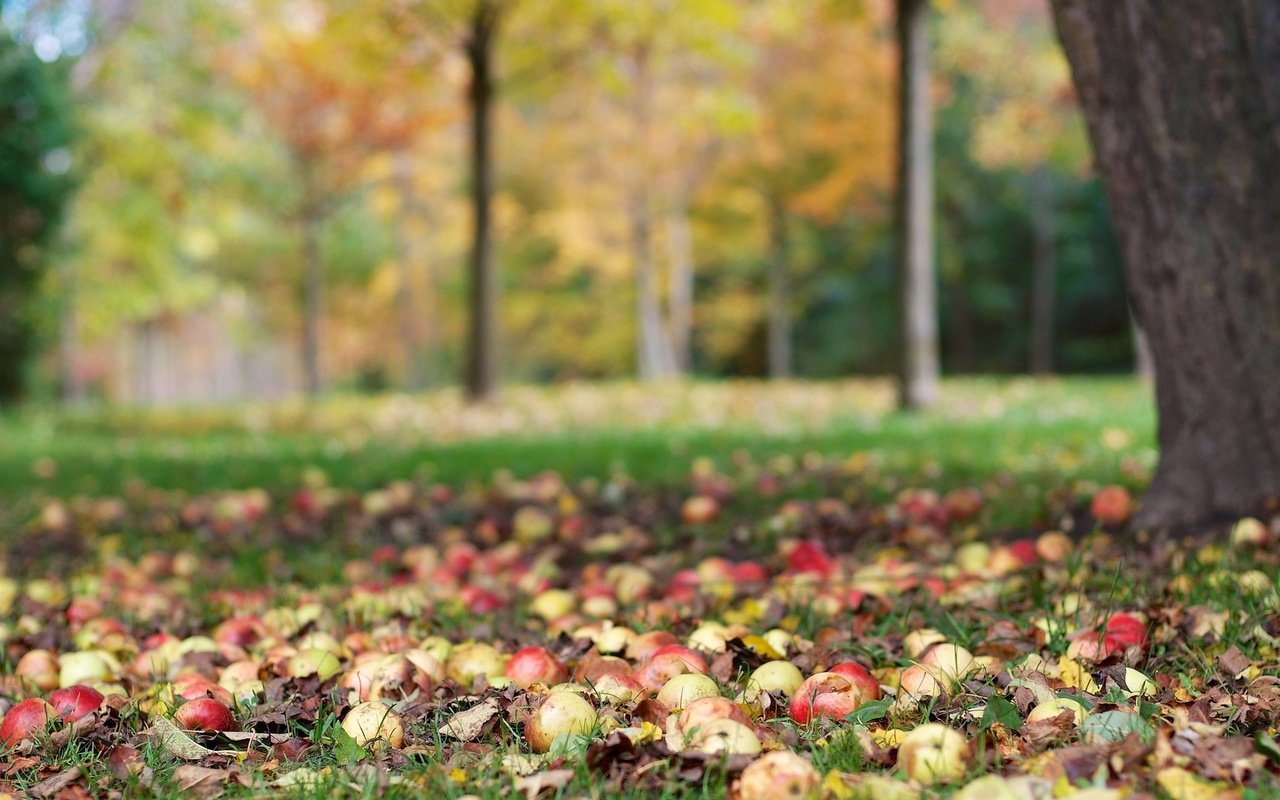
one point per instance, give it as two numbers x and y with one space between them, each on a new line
1054 429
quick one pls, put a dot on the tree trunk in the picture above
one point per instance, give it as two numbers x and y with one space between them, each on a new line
680 282
1142 366
654 358
312 304
1183 109
1043 271
73 387
482 340
779 292
410 339
918 383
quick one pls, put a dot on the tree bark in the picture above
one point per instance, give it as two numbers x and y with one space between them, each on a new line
779 292
1183 108
918 382
482 340
312 304
680 282
1044 271
654 358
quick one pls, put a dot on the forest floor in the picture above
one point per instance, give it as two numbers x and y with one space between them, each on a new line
289 562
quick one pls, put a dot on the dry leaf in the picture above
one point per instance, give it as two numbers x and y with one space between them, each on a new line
540 782
466 725
55 783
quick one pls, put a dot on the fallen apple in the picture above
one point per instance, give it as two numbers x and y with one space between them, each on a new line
682 690
26 719
205 714
533 664
779 775
75 702
699 712
560 714
825 694
777 676
374 724
933 753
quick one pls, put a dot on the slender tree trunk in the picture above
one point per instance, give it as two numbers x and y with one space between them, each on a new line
918 387
1183 109
654 358
312 304
410 315
482 340
779 291
73 387
1043 271
960 335
680 282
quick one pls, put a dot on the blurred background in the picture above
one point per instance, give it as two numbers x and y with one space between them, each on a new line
203 202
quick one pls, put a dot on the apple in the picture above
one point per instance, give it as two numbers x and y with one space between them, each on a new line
920 640
724 736
1127 630
861 677
933 753
949 663
777 676
1058 705
470 660
374 724
682 690
644 645
1054 546
533 664
810 558
712 707
916 683
1250 532
205 714
323 664
25 720
825 694
699 510
39 668
75 702
531 524
1090 645
616 688
86 666
552 604
668 662
1112 506
560 714
779 775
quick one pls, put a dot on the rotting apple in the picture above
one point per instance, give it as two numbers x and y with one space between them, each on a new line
374 724
712 707
560 714
861 676
933 754
825 694
779 775
682 690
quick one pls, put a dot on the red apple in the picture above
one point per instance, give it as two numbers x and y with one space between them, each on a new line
38 668
811 557
861 677
26 719
204 715
668 662
1112 505
75 702
825 695
533 664
699 510
705 709
1127 630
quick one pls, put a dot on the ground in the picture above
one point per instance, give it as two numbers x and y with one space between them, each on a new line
293 561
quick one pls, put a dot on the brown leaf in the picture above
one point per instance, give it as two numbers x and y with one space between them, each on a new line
201 781
540 782
1233 662
55 783
467 725
722 667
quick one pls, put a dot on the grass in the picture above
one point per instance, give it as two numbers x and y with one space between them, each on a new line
1037 450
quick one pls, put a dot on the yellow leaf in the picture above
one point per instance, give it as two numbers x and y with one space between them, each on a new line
1180 784
1073 674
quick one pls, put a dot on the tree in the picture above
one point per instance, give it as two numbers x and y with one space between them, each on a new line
337 88
1183 108
35 184
918 383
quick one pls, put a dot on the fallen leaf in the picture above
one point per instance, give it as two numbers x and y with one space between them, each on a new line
55 783
201 781
1180 784
539 782
466 725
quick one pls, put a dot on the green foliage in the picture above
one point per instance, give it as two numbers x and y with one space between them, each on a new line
36 133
